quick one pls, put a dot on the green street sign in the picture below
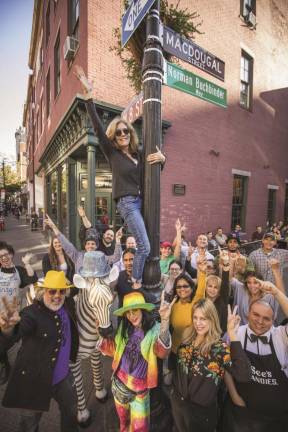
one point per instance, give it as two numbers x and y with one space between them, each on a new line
188 82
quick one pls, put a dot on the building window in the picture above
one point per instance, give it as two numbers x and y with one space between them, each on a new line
247 6
73 17
57 66
47 22
246 77
48 96
286 204
239 200
271 206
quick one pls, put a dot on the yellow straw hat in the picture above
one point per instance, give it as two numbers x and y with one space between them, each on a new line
54 280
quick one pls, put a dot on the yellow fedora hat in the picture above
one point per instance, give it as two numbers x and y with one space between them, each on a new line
54 280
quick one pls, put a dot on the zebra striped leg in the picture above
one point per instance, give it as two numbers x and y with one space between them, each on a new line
83 413
97 370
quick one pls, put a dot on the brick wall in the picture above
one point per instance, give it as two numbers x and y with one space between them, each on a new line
250 141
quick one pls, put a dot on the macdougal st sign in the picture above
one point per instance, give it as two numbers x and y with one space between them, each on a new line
192 53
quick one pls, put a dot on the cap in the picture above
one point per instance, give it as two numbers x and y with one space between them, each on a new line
166 244
269 235
233 236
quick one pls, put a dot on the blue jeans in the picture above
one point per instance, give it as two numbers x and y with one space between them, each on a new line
129 208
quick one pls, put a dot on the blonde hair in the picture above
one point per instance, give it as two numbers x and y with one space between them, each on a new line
111 134
214 333
215 279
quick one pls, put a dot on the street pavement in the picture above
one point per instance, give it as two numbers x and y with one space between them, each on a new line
104 416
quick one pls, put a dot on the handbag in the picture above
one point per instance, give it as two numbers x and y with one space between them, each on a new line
121 392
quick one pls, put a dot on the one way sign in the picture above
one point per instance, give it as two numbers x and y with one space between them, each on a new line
133 17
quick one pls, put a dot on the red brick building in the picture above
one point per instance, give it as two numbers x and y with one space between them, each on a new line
232 161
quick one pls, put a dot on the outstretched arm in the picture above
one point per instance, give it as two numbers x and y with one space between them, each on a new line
87 88
275 266
270 288
177 240
87 224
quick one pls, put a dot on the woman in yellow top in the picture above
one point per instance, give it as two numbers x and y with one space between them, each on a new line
181 315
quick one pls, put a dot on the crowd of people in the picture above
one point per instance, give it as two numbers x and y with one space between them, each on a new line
220 327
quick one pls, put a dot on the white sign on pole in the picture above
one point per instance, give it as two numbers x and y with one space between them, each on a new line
136 12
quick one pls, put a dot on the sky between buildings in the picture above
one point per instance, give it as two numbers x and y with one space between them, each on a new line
15 31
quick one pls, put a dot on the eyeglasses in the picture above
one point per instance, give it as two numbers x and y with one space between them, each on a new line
174 269
52 292
119 132
4 256
182 286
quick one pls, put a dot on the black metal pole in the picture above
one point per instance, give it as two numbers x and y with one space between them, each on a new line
152 72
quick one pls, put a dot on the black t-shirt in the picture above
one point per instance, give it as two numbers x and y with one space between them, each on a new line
107 250
25 279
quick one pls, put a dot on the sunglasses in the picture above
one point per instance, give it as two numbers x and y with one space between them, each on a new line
4 256
182 286
119 132
52 292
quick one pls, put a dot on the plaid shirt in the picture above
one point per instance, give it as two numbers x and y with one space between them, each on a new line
260 260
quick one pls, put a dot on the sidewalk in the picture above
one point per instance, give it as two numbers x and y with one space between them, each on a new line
19 235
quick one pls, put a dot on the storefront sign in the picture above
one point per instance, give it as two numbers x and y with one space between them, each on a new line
134 110
186 50
186 81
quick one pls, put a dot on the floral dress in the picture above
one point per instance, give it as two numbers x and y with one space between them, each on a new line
197 377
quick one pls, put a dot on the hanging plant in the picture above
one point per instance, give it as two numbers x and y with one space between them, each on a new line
180 20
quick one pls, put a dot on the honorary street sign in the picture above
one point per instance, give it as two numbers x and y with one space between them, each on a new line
133 17
186 50
186 81
134 109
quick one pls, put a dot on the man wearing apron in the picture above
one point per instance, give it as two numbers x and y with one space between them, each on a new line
264 400
11 279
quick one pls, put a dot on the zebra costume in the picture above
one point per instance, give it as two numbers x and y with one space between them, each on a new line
92 303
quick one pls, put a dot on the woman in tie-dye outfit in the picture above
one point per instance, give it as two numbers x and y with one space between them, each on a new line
138 342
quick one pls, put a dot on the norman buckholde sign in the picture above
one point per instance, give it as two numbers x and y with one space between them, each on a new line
186 50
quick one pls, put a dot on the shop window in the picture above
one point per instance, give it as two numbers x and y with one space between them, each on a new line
53 196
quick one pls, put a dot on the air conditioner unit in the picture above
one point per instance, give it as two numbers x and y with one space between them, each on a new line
250 19
70 47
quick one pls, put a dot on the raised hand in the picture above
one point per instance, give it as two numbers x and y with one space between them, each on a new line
268 287
87 85
9 317
190 250
165 308
274 264
224 258
201 263
26 258
81 211
48 222
178 225
233 322
157 157
183 228
240 264
119 235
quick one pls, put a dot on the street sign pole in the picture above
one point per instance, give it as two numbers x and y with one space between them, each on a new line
152 74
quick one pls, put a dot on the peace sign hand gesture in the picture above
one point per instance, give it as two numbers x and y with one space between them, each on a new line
165 308
233 322
10 316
